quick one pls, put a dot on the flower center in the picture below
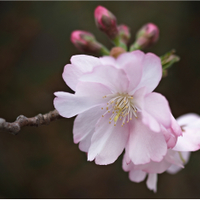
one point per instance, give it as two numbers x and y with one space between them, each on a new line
121 107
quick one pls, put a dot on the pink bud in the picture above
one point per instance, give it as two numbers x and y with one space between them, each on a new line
85 42
106 21
149 31
124 33
145 37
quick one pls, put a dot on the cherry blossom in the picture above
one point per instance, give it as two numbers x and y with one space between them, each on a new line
117 109
174 160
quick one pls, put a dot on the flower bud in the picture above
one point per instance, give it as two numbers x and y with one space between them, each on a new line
146 36
106 21
116 51
149 31
85 42
124 33
168 59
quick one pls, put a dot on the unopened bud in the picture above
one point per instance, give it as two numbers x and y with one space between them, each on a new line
116 51
106 21
167 60
146 36
124 33
86 42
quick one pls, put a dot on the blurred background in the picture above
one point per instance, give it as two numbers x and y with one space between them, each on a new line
35 45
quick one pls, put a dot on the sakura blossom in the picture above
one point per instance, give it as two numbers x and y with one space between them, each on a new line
174 160
117 108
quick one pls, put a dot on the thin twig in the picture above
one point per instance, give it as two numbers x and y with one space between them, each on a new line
21 121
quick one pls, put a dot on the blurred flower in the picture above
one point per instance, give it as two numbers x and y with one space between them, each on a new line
175 159
86 42
146 36
106 21
117 109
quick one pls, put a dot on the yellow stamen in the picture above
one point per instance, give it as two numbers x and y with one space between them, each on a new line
117 116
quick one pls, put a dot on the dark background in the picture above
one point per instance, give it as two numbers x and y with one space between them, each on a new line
34 47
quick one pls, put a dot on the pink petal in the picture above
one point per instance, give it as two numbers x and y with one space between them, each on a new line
157 106
138 98
113 78
174 158
154 167
85 143
108 141
71 74
127 166
108 60
80 65
152 72
137 175
150 121
152 182
88 95
175 128
85 123
170 138
128 57
145 145
132 63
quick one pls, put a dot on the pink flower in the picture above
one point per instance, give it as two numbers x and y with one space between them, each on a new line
117 109
138 173
174 160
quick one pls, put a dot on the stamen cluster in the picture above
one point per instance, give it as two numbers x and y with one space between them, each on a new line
122 108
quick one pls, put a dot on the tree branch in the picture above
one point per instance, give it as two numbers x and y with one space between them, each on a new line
21 121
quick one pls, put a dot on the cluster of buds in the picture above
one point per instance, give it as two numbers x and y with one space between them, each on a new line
106 22
120 37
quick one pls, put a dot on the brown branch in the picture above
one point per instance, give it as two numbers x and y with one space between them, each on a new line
21 121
